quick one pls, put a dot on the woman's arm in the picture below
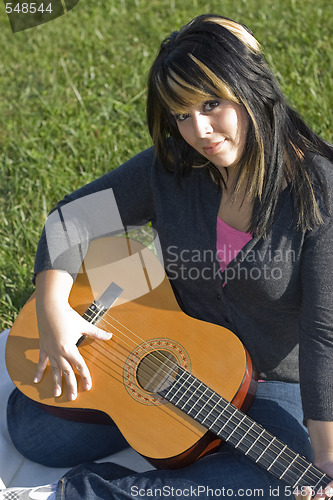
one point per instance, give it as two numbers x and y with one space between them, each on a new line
60 327
321 435
105 206
108 205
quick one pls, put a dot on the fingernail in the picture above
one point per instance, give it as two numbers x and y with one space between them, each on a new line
329 491
57 392
35 380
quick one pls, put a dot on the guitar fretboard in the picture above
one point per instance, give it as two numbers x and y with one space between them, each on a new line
232 425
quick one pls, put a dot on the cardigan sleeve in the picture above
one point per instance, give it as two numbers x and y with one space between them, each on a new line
106 206
316 322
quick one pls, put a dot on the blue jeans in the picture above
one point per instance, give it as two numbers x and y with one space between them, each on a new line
226 473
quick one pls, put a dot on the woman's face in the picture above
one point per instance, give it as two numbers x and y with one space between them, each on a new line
217 129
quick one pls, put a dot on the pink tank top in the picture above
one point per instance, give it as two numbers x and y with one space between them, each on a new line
229 242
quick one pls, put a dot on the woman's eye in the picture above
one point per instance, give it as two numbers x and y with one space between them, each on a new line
180 117
210 105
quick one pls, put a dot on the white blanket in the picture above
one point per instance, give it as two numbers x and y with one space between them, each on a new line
16 470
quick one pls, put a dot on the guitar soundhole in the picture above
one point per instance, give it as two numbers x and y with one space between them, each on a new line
157 371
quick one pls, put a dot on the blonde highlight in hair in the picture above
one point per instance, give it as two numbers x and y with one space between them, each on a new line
221 89
187 84
239 31
179 94
215 57
256 186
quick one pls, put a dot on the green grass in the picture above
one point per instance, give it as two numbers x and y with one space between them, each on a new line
73 100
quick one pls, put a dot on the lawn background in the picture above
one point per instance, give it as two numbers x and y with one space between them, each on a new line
73 94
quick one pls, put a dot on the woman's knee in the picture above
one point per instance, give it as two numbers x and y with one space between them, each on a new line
57 442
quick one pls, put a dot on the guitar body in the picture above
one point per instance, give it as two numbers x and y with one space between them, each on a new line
147 324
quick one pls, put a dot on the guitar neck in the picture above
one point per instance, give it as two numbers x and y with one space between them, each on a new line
230 424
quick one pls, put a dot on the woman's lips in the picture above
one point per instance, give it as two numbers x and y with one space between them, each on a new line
213 148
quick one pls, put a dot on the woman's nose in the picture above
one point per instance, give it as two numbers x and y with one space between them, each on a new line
202 125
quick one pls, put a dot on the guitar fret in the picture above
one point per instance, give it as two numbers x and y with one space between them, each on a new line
255 446
306 470
211 411
311 473
320 480
226 423
203 404
187 389
277 457
255 441
235 429
175 386
184 395
291 463
240 432
198 413
269 444
219 415
192 395
244 435
268 452
193 390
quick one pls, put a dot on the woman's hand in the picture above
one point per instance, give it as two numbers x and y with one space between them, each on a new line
60 327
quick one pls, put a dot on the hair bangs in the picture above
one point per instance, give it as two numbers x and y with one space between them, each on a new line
182 87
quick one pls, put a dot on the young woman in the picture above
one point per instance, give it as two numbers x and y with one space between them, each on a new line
235 174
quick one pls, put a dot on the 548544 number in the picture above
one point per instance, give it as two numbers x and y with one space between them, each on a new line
27 8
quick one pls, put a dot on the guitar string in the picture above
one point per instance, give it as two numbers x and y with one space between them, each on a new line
240 420
122 332
231 413
120 358
138 337
317 478
318 475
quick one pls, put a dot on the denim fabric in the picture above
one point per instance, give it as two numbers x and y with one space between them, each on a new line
55 442
224 474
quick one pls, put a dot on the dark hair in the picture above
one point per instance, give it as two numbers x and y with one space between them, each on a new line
213 56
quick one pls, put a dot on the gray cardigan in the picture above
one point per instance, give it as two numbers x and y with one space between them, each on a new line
276 296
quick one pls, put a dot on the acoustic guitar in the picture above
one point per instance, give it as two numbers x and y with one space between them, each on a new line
175 386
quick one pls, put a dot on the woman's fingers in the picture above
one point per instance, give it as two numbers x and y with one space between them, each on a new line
57 377
82 370
42 364
64 368
97 333
71 382
76 364
60 333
